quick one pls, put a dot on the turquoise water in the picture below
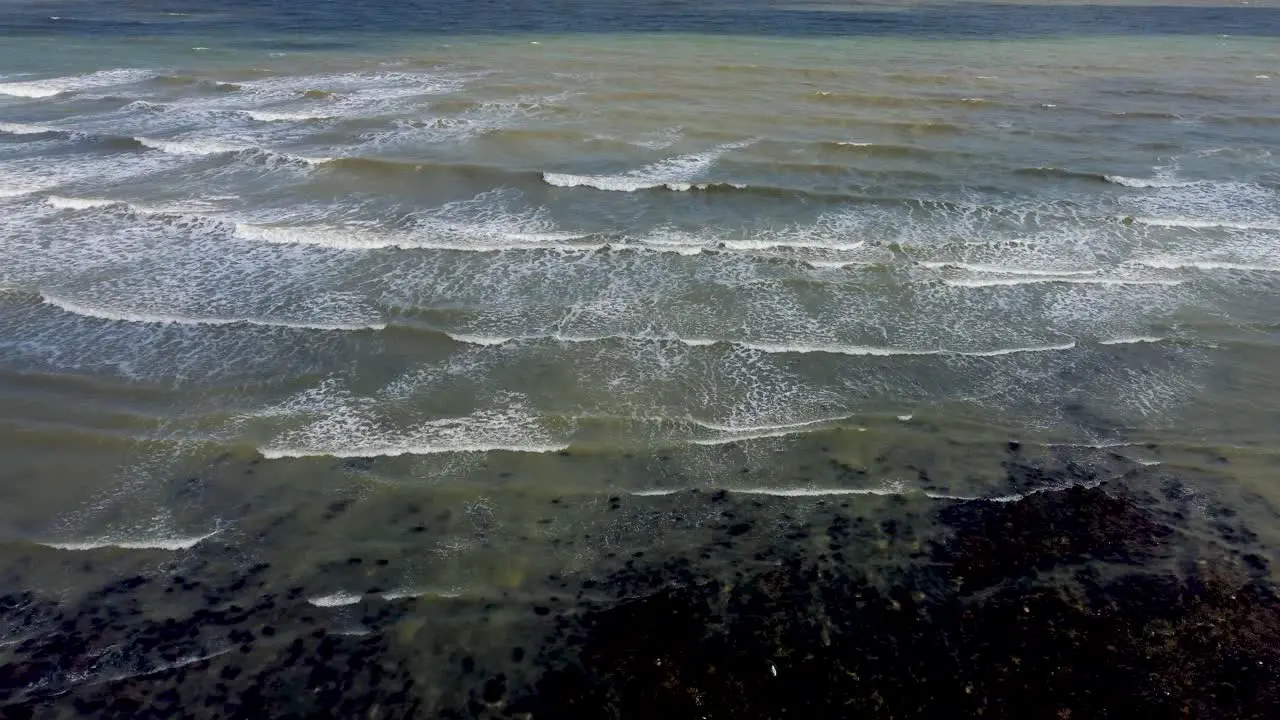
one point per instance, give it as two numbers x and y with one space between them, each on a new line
260 259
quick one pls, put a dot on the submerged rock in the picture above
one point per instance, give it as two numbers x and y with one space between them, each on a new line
1074 603
971 634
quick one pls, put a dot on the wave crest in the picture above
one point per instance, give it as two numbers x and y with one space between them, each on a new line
1155 182
36 89
678 173
115 315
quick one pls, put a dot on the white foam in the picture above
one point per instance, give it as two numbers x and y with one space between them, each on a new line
193 208
169 543
1092 446
889 352
1018 497
474 239
492 221
1134 339
10 190
324 236
284 116
347 425
276 453
57 86
729 439
767 347
1203 224
1017 350
677 173
806 348
480 119
1004 270
1194 264
782 241
738 433
495 340
496 222
1155 182
482 340
24 129
1071 280
817 492
115 315
887 491
763 428
415 593
72 203
660 139
166 666
548 239
190 147
338 599
364 93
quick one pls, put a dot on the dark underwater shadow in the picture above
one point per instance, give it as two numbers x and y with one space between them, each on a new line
1134 597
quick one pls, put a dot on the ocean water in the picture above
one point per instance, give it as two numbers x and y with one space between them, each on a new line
467 261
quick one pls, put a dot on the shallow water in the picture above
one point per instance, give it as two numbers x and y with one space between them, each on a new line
445 265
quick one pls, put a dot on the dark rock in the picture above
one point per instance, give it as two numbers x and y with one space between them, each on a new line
994 541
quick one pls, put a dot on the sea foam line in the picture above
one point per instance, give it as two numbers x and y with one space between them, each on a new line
72 203
1156 182
1069 280
201 148
1003 270
62 202
171 544
418 592
782 242
1192 264
823 492
189 147
810 492
360 239
772 348
56 86
833 264
11 190
883 352
281 116
113 315
677 173
25 129
337 599
1132 340
758 432
1195 223
496 340
763 428
485 237
275 453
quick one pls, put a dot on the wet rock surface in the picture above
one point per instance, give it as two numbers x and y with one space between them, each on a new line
1125 598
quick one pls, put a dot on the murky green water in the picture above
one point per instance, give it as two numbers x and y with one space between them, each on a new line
475 296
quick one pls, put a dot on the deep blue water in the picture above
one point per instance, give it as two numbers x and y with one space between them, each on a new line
942 20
